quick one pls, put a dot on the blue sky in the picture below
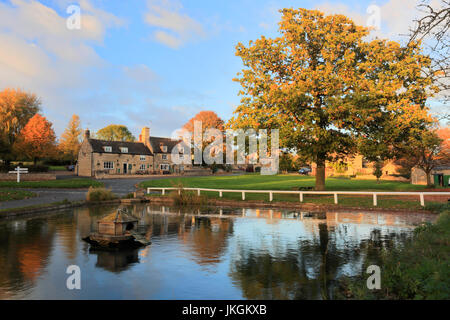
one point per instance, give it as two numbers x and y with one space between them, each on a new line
154 63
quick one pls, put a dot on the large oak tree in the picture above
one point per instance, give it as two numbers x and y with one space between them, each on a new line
329 91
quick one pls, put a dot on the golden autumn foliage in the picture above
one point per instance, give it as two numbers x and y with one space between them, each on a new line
70 141
444 134
329 91
36 140
16 109
209 119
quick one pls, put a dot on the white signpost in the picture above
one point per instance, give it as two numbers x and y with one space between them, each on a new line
18 171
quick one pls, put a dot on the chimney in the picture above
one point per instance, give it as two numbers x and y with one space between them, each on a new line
87 134
144 137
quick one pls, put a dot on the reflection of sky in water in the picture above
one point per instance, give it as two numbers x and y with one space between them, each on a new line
191 256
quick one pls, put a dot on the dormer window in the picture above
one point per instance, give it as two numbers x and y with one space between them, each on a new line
107 148
123 149
164 148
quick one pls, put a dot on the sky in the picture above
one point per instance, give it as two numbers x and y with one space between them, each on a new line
152 63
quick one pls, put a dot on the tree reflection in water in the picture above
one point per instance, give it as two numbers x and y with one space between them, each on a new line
234 253
309 270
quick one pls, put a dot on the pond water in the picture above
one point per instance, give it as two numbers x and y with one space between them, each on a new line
197 254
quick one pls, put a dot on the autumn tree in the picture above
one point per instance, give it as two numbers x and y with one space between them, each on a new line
115 132
209 119
378 170
36 140
70 140
16 109
328 90
286 162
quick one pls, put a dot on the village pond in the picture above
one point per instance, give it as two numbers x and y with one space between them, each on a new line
198 254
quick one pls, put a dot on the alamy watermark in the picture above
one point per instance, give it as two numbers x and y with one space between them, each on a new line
74 280
73 22
374 280
212 146
374 19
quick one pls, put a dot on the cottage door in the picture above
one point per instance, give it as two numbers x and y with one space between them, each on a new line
125 168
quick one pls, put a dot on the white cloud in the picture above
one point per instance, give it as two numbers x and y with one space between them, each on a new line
140 73
174 28
40 54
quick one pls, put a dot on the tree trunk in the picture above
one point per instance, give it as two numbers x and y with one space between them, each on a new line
35 161
429 182
320 173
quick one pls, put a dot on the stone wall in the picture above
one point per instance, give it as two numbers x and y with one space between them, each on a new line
28 177
133 163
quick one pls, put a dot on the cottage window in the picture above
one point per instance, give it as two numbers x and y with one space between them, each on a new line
107 149
164 167
142 167
124 150
142 158
108 165
164 156
365 163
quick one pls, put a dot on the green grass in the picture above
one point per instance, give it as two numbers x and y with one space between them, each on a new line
9 194
280 182
57 168
388 202
65 183
418 270
40 206
290 182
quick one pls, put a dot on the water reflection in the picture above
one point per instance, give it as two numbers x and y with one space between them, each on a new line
116 261
218 253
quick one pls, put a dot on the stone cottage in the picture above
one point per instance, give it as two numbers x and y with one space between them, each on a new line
149 155
359 166
440 176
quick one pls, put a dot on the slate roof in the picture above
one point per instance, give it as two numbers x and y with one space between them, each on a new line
441 168
156 143
137 148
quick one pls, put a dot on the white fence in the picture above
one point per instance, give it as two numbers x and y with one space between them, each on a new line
374 194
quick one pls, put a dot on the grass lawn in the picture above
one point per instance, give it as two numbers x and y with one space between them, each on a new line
8 194
40 206
281 182
290 182
66 183
57 168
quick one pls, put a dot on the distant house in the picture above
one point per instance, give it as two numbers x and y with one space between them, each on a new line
440 176
357 165
150 155
161 149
